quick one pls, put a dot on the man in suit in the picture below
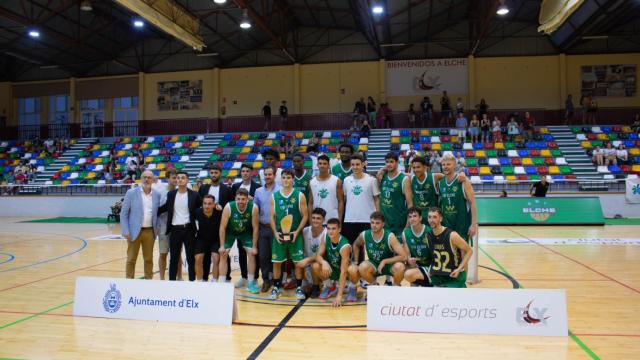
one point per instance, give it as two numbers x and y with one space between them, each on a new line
248 184
139 222
222 195
181 207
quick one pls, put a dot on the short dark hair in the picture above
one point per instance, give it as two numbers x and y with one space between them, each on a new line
243 192
319 211
287 172
298 155
391 155
415 210
324 157
377 215
273 168
419 159
215 167
182 172
171 172
435 210
271 152
209 196
247 166
334 221
349 146
357 156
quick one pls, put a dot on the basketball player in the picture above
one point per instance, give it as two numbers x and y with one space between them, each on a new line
206 243
313 235
386 256
302 178
326 191
416 244
457 201
395 195
450 254
240 222
332 264
288 217
343 169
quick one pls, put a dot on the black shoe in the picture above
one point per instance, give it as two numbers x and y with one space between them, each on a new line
315 291
266 285
388 283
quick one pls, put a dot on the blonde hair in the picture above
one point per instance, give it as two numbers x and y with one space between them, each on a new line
448 157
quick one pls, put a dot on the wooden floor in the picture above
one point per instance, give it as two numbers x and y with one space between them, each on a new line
39 264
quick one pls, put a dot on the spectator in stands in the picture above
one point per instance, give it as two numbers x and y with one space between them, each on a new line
539 188
459 106
266 113
411 114
592 110
365 129
20 179
482 108
528 124
485 128
132 168
445 110
284 114
496 129
503 194
380 116
598 156
315 140
461 164
434 162
568 110
635 126
474 128
388 116
427 111
512 129
461 127
10 181
31 175
354 127
371 110
622 156
360 110
610 155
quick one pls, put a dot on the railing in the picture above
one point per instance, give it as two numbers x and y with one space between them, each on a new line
80 189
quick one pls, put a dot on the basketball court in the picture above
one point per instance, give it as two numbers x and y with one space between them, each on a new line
39 263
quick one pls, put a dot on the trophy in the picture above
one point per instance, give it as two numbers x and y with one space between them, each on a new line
285 227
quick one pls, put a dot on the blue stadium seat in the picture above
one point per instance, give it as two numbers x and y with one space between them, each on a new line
478 146
531 170
227 165
487 178
505 162
227 137
558 178
425 139
286 164
523 153
614 169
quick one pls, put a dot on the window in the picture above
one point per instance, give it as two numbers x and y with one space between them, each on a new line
125 116
92 117
59 116
92 104
29 117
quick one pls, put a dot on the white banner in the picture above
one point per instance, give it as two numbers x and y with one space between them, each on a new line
427 76
633 191
172 301
467 311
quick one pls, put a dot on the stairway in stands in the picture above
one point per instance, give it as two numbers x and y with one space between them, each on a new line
201 156
64 159
379 146
581 165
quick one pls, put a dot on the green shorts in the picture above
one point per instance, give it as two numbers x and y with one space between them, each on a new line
243 239
287 250
335 274
449 282
386 270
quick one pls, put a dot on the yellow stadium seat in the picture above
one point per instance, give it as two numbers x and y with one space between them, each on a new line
586 144
527 162
98 161
545 153
511 178
499 146
91 175
148 160
175 139
324 141
161 166
363 147
480 154
636 168
126 140
543 130
436 147
245 150
244 136
195 144
395 140
626 129
603 137
120 153
554 170
96 147
144 146
65 168
66 182
485 170
268 142
424 132
303 149
233 173
634 151
282 156
162 174
299 135
257 165
454 138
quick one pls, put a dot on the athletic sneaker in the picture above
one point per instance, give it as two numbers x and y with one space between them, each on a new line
275 293
328 292
315 291
242 282
352 295
300 294
388 283
291 284
252 287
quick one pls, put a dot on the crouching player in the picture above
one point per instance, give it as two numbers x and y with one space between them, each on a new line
418 248
332 264
313 237
450 254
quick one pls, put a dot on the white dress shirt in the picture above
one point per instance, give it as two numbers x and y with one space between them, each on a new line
147 216
181 209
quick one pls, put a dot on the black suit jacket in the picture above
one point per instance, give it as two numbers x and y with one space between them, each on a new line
252 189
194 202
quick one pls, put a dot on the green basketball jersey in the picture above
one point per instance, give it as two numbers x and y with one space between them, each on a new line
393 203
377 250
424 195
302 183
419 246
240 222
455 208
287 205
332 252
338 171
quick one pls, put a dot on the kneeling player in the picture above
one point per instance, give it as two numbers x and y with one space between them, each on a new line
240 222
450 254
313 236
332 263
386 256
416 244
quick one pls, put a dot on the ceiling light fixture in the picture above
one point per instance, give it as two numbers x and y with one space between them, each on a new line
502 9
34 33
138 23
219 2
377 9
244 23
85 5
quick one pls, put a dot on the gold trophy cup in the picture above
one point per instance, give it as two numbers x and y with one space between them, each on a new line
285 227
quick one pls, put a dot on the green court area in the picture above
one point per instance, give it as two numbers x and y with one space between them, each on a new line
72 220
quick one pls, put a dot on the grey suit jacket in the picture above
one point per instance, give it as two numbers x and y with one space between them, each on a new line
131 215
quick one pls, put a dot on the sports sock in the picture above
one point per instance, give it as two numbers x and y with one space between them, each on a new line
222 278
327 283
299 282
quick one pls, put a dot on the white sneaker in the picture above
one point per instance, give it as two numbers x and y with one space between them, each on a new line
242 282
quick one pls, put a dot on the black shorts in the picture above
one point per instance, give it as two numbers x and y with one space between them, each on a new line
352 230
204 246
425 282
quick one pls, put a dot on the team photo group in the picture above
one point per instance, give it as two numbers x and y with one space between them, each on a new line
321 232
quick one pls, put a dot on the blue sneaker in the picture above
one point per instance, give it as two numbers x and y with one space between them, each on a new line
275 293
352 295
252 287
328 292
300 294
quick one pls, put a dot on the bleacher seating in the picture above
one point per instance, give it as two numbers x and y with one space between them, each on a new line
160 153
14 153
591 137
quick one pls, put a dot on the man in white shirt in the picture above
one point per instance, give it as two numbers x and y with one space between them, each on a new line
362 193
163 239
313 235
326 191
139 223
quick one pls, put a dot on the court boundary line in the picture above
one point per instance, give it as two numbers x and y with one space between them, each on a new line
574 337
81 248
272 335
577 262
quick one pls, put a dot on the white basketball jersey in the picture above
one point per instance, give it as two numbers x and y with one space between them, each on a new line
360 198
325 196
311 243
